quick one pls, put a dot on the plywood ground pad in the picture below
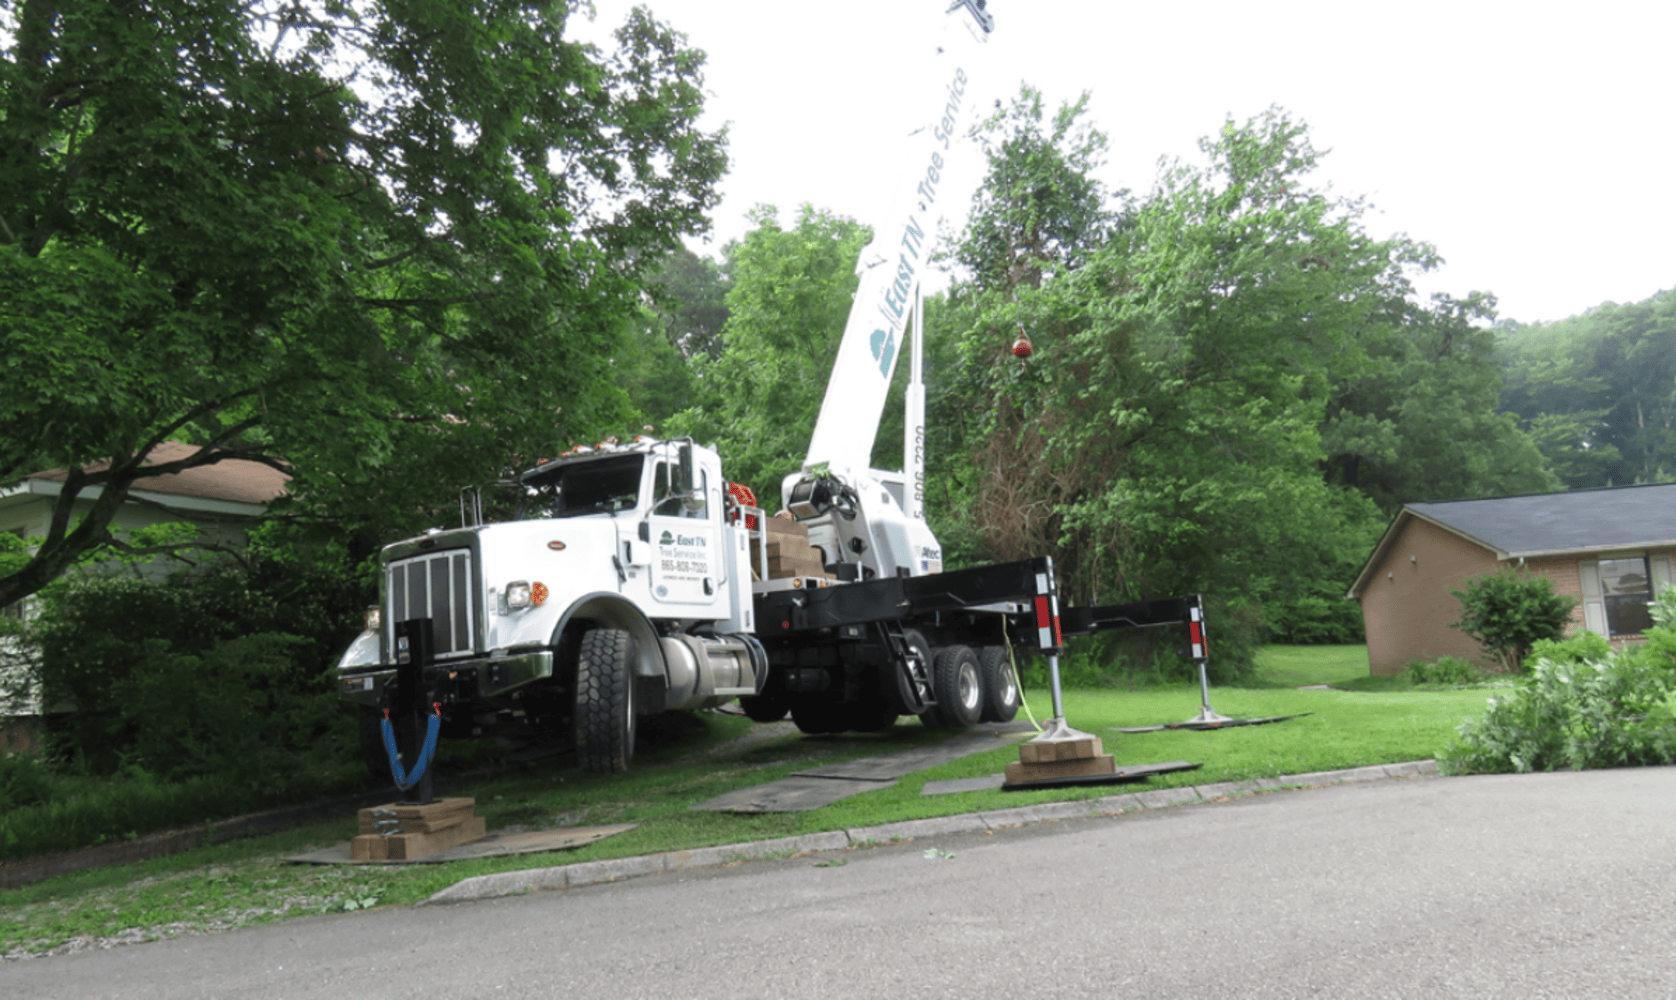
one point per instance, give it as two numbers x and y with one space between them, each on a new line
494 845
820 786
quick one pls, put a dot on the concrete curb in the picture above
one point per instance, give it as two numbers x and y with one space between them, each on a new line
588 872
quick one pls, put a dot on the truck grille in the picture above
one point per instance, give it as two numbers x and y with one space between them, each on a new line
439 587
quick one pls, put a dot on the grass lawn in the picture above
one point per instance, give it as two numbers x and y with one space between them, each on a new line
246 882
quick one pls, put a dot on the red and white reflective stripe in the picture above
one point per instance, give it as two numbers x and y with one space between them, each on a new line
1047 622
1196 631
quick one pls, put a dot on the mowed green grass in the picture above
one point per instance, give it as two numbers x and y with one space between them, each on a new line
248 882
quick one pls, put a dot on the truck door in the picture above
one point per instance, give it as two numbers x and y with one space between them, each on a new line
688 564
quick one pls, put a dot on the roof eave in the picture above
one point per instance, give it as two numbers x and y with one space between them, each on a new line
175 501
1588 549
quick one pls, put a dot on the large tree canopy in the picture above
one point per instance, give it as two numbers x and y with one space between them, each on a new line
788 298
357 240
1599 391
1227 371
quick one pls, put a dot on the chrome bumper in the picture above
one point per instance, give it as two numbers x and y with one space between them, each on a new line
482 678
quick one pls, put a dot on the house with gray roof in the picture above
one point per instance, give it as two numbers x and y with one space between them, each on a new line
1610 548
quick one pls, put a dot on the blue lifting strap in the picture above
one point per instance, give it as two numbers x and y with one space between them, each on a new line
433 726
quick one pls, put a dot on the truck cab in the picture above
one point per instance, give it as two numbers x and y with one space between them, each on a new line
607 586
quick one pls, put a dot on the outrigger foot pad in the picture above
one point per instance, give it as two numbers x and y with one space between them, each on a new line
1219 722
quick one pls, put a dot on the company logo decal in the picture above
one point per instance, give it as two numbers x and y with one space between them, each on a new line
667 538
556 546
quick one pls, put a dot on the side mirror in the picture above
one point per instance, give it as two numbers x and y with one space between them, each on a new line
686 480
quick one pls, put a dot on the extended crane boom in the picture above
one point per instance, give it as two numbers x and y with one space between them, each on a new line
860 516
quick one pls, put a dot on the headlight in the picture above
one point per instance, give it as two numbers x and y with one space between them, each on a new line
518 595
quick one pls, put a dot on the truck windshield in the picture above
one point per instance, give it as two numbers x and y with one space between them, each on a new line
606 485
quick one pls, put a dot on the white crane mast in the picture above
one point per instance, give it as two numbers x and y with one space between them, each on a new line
892 538
892 266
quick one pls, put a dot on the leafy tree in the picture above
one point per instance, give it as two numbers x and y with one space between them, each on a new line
1509 611
682 322
788 298
1414 415
1166 435
384 247
1040 210
692 302
1598 391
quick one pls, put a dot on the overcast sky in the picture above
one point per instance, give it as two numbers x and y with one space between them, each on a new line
1532 147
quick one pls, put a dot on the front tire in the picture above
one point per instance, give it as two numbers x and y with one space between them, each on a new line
605 721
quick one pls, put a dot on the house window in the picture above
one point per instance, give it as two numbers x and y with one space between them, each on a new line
1627 586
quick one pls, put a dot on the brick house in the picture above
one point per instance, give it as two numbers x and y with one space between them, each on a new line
223 500
1610 548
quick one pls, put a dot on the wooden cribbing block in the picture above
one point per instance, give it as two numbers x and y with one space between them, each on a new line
1019 771
431 817
782 537
407 846
1055 750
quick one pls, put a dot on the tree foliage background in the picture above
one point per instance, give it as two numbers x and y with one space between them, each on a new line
1597 392
384 246
400 247
1234 384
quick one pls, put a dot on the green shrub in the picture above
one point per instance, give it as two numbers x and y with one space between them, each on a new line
1443 670
1584 647
84 811
1316 620
1509 611
208 666
1234 631
235 709
1579 708
24 781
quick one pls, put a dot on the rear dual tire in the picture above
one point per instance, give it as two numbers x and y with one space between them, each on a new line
958 678
1001 696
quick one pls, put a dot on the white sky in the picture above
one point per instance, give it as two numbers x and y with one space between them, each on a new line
1533 146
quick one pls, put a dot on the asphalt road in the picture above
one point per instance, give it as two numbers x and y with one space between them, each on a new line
1551 885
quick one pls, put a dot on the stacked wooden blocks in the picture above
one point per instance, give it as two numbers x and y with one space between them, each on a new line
789 551
401 832
1073 758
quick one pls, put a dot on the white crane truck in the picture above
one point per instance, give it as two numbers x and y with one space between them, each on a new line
629 581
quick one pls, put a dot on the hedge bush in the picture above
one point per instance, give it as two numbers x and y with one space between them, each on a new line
1581 705
214 671
1511 610
1443 670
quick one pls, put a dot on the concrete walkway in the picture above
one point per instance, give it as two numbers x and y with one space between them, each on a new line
587 872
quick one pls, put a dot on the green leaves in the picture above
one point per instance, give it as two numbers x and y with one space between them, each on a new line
395 247
1510 611
1581 705
1598 391
789 297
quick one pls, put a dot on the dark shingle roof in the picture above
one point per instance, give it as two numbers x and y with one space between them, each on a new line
1551 523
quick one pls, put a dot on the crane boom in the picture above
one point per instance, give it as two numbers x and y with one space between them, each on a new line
892 265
